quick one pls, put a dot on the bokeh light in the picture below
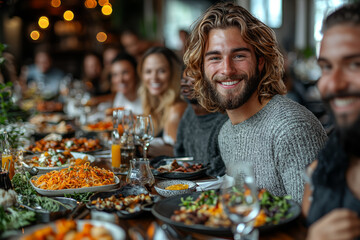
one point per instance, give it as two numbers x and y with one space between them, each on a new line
43 22
101 37
103 2
55 3
90 3
106 9
68 15
35 35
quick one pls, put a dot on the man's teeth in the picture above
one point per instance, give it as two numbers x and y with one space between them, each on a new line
229 83
341 102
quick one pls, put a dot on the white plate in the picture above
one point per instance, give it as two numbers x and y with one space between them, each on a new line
52 193
116 232
42 170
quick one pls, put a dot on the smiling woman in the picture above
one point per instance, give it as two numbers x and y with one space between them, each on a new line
160 91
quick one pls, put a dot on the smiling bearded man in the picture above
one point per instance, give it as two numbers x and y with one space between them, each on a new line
237 68
336 173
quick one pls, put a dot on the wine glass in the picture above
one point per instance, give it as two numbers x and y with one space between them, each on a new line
127 120
144 131
241 204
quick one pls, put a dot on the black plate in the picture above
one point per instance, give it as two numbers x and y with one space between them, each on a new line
126 190
43 216
165 208
177 175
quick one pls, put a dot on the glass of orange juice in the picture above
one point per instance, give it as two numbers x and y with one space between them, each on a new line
115 145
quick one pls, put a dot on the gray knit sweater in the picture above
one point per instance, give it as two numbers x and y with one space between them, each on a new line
279 141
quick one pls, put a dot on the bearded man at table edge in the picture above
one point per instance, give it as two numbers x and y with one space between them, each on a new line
332 203
238 68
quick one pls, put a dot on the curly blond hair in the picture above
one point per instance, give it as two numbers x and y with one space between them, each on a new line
159 106
253 31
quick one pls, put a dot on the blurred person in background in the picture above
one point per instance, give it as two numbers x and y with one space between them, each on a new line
331 200
160 93
198 132
42 75
108 55
92 72
133 44
125 82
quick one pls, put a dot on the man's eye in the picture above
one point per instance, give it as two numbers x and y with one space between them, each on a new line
239 56
214 58
354 65
325 67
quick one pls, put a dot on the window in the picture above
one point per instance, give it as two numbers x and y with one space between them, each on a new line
322 9
268 11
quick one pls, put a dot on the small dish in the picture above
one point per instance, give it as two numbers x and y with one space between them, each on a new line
160 187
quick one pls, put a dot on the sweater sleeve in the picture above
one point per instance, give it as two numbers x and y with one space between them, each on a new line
297 146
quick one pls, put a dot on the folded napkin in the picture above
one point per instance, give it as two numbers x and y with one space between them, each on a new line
214 183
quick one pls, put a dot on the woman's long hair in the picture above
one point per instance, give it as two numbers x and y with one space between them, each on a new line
158 106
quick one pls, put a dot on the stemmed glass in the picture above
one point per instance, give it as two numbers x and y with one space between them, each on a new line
144 131
241 204
127 120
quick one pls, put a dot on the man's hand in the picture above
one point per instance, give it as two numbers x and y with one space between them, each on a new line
339 224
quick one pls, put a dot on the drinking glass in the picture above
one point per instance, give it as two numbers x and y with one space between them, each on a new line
140 173
126 119
241 204
144 131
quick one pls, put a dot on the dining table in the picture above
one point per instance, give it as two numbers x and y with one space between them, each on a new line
146 223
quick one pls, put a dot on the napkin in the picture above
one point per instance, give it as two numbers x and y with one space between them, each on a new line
214 183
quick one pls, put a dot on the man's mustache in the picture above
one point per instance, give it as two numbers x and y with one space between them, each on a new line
220 78
330 97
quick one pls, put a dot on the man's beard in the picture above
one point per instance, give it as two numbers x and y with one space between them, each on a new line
235 99
349 132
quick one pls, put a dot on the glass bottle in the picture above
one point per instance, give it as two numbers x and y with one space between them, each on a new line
6 157
115 144
140 173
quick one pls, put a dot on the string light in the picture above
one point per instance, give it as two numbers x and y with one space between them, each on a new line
103 2
55 3
90 3
101 37
35 35
106 9
68 15
43 22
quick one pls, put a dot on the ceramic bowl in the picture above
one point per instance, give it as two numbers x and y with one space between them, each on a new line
160 187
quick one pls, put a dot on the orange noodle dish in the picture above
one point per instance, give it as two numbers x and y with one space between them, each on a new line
78 176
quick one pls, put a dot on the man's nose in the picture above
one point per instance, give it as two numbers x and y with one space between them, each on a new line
228 66
337 81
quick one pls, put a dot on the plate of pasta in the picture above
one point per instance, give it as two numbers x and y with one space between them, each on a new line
74 179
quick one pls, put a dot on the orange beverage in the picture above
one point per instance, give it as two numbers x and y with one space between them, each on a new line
115 156
5 164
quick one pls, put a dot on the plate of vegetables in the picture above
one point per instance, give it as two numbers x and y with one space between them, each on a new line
202 212
55 160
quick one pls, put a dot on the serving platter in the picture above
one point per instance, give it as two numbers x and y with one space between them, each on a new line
42 170
164 209
52 193
125 191
177 175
